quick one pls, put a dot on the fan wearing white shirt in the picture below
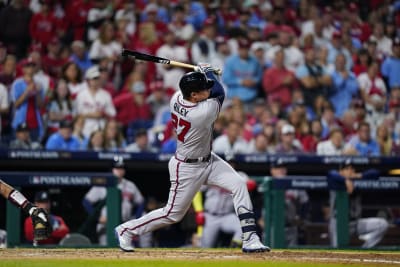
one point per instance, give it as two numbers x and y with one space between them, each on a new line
94 103
334 146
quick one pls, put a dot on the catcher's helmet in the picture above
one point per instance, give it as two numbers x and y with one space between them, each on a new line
194 82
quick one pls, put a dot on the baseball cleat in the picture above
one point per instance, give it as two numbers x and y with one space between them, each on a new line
254 246
124 241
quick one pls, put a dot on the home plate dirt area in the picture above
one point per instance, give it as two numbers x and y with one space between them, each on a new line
338 257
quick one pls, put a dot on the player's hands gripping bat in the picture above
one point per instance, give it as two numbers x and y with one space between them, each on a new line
206 67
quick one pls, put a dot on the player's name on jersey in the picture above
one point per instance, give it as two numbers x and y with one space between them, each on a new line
181 110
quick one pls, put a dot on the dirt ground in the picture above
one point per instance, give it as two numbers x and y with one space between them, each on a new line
384 258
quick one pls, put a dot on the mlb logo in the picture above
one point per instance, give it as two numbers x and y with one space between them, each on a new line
35 180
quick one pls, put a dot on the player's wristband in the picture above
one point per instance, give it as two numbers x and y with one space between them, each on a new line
17 198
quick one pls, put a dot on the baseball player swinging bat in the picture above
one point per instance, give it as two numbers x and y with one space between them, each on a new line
161 60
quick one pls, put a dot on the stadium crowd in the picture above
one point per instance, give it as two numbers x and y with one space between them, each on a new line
302 76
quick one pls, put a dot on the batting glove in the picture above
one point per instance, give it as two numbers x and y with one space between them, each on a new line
206 67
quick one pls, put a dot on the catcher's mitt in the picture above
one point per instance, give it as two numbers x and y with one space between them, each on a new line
41 224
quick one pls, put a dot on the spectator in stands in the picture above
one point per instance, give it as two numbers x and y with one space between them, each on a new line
231 141
146 41
141 143
362 62
170 49
203 49
94 103
98 13
8 71
384 140
132 201
96 141
294 57
313 78
4 106
14 20
370 230
158 99
132 110
334 146
72 75
296 204
54 59
363 143
80 55
384 43
348 122
60 107
287 142
59 228
309 139
105 45
109 80
41 76
113 137
43 25
23 140
390 68
336 47
63 139
259 144
27 97
372 86
77 17
125 18
183 30
278 82
77 131
328 121
242 75
344 86
158 15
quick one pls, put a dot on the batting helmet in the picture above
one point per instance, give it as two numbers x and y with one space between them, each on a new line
194 82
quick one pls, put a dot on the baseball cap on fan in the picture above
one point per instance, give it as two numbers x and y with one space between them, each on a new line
92 73
288 129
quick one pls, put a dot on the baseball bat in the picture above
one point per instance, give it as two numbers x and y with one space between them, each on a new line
146 57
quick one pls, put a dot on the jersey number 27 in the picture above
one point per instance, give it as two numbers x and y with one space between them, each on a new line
184 126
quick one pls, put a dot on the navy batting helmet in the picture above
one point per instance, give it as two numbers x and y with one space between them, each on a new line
194 82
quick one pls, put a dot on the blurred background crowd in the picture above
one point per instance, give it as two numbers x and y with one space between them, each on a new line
302 76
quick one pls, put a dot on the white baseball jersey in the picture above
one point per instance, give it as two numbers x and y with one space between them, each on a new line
194 125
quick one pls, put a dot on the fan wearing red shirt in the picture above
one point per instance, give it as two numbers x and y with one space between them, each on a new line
76 17
278 82
43 25
59 227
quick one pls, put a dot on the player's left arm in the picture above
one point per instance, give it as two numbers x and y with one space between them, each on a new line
217 91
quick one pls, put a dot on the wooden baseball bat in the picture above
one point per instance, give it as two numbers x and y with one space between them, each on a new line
146 57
